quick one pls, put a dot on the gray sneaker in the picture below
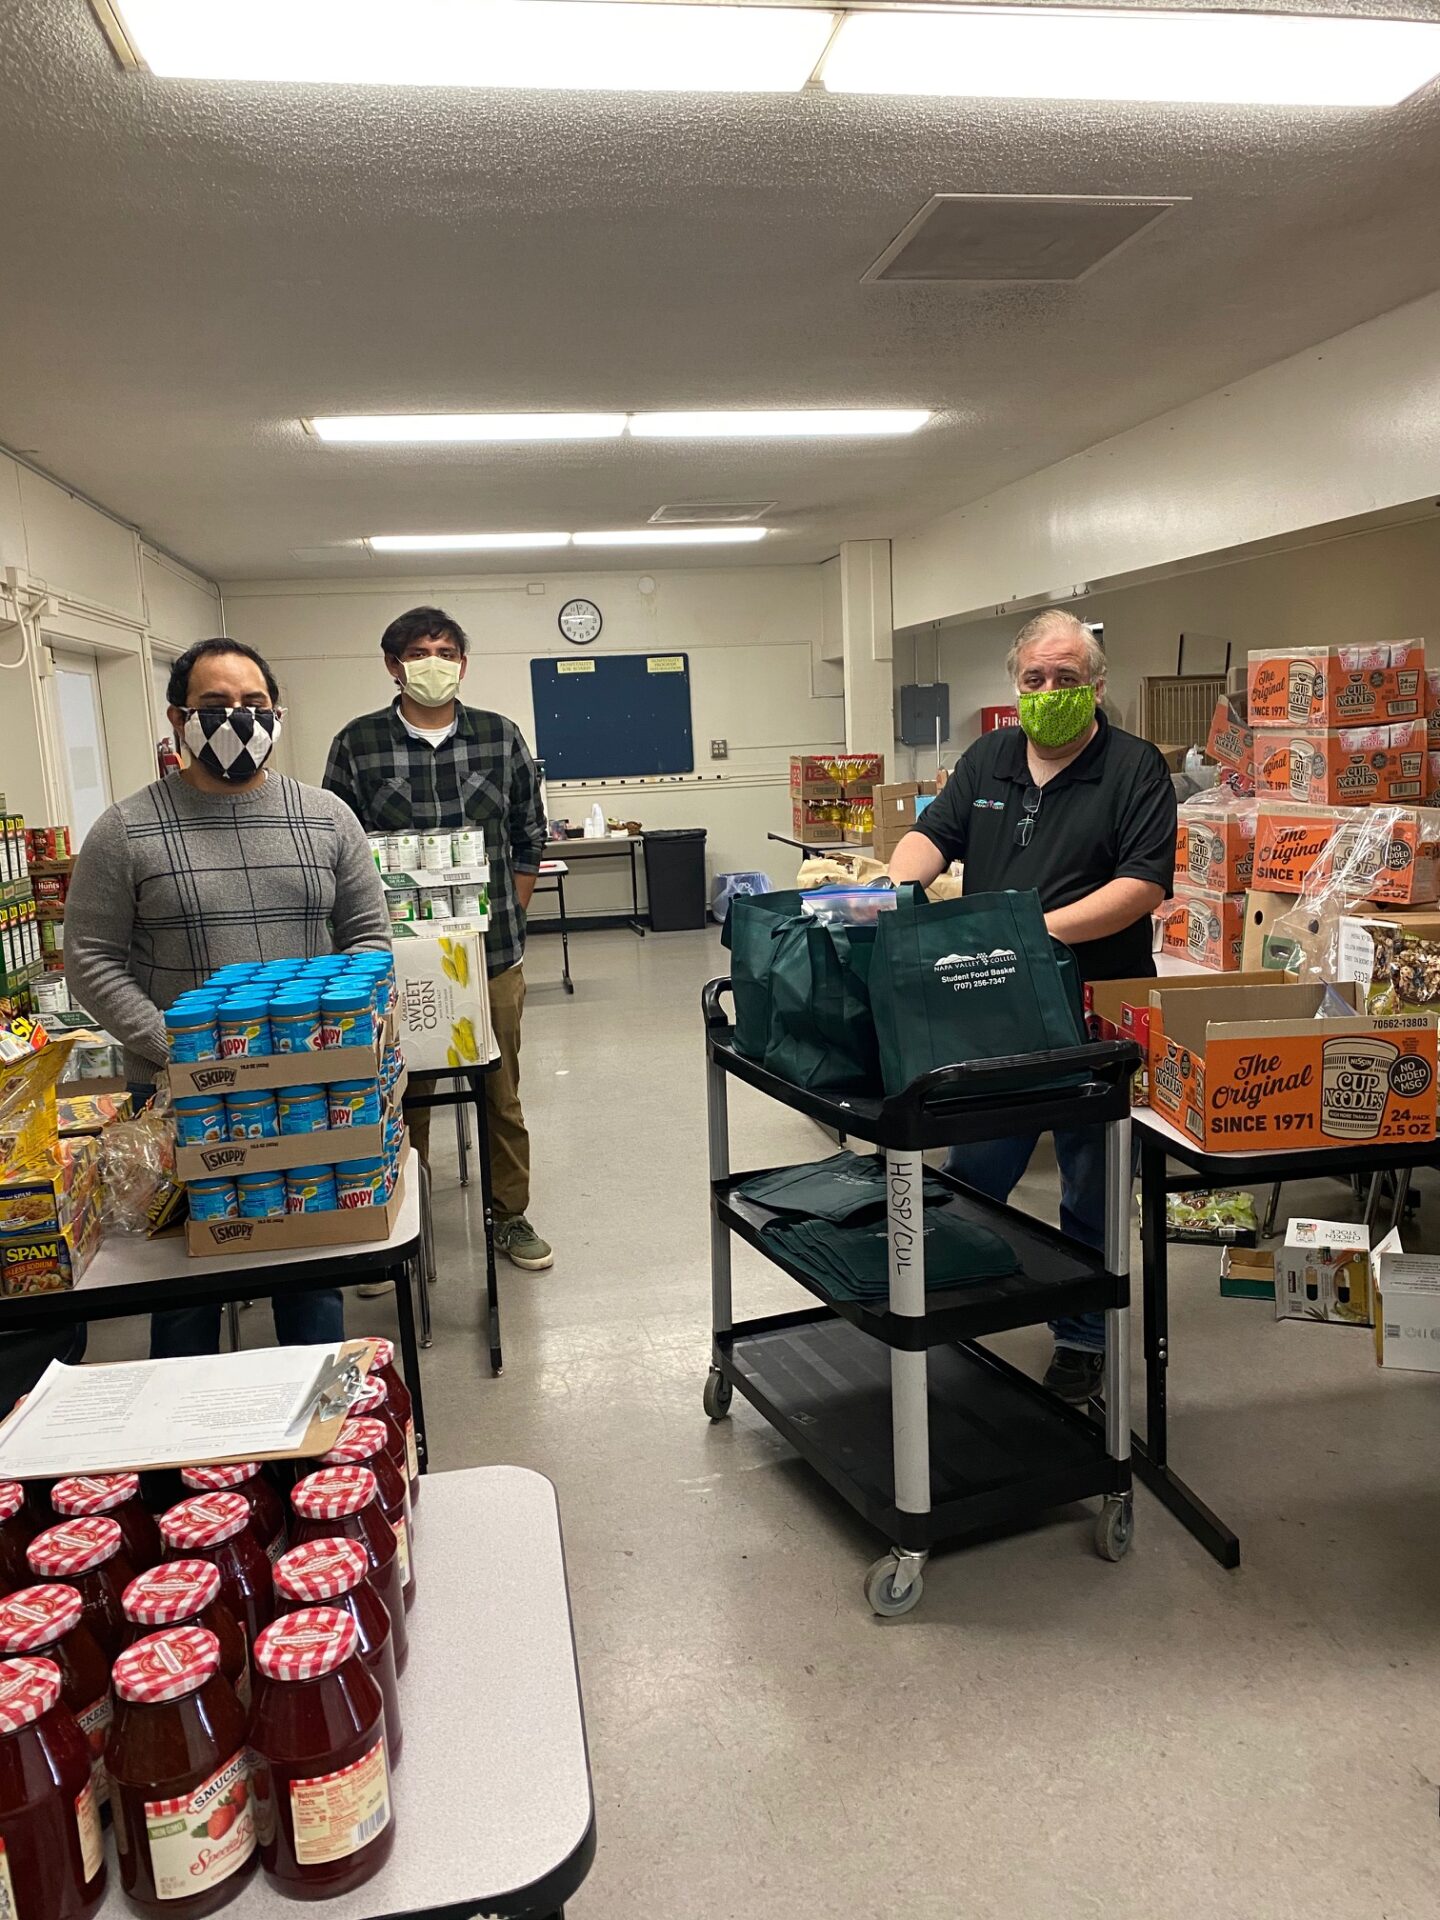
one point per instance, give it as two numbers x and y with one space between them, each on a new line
516 1238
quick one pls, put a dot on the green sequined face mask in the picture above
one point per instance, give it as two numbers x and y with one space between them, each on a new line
1056 715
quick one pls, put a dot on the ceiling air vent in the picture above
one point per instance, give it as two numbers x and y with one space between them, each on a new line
694 513
1015 239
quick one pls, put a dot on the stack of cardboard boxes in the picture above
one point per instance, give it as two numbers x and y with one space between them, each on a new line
832 797
19 928
49 1186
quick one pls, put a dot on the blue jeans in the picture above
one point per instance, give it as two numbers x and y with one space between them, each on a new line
994 1167
314 1318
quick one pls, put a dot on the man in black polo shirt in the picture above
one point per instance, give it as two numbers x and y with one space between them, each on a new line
1084 814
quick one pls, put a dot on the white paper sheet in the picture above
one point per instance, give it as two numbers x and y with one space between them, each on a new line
163 1412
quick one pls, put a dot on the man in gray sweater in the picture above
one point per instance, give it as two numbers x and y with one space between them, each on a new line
222 863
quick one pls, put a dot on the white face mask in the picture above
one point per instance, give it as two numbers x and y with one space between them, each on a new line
433 682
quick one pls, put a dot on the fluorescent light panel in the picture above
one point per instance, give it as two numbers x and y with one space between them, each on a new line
1052 53
572 44
417 428
795 424
673 537
461 542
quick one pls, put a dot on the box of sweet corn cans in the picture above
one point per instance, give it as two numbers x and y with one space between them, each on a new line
442 1003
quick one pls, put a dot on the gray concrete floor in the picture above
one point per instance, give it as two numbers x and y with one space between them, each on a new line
1048 1735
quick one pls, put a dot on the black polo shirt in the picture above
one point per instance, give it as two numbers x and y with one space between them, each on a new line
1109 815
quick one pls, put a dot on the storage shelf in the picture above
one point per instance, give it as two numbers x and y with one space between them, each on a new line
1001 1448
1056 1277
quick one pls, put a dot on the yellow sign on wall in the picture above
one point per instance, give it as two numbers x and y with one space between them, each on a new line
666 663
574 666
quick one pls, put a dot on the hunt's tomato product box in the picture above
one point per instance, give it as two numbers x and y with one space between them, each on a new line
1208 929
1344 766
1239 1068
1214 849
1336 686
1401 868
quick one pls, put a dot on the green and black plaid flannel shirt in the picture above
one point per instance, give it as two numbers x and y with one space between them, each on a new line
484 777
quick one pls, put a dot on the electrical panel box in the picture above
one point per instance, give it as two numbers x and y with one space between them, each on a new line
921 707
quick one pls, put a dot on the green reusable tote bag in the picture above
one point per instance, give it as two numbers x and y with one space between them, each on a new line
749 933
822 1033
970 979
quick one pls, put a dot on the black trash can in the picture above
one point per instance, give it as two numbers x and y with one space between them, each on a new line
675 878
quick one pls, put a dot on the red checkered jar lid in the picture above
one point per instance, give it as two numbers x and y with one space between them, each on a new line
304 1645
75 1546
28 1688
94 1492
217 1479
383 1354
358 1441
175 1590
12 1498
36 1616
320 1570
166 1666
335 1493
205 1521
372 1396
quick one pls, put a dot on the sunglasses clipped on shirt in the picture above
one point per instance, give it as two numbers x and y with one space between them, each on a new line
1030 801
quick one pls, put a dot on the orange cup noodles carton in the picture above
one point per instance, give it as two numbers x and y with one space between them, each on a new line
1432 779
1403 871
1231 745
1344 766
1432 706
1214 849
1336 686
1237 1068
1208 929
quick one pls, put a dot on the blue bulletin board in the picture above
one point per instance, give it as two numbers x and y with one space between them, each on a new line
613 716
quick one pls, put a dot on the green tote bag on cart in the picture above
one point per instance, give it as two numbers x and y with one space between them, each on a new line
749 932
970 979
802 1003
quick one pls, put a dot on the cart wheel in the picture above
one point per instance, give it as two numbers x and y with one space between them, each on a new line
1115 1529
718 1394
880 1589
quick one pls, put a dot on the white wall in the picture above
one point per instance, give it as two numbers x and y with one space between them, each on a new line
1373 586
84 580
1346 428
752 637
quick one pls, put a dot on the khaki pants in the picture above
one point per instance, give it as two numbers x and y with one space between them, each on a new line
509 1141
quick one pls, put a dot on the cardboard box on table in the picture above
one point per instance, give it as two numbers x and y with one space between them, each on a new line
1237 1069
442 1003
1204 928
1259 951
1120 1010
1214 849
1336 686
897 808
1403 872
1323 1272
1407 1307
336 1227
1247 1273
1394 957
1380 765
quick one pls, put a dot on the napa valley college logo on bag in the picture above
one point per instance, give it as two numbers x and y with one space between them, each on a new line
962 972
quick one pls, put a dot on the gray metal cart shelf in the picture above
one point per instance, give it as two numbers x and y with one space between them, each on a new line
924 1432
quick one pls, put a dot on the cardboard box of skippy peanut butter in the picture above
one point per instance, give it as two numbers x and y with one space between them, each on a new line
1240 1068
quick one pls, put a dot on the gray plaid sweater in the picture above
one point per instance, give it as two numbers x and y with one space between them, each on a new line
173 883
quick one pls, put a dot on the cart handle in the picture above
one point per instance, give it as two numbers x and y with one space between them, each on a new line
1022 1074
715 1017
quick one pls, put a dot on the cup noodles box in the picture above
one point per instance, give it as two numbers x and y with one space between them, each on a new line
1231 745
1336 686
1323 1272
1237 1068
1214 849
1344 766
1120 1010
1207 929
1403 872
1432 706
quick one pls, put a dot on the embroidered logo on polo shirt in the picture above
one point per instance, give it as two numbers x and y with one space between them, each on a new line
998 805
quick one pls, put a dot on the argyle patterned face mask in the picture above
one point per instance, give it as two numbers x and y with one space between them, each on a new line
233 743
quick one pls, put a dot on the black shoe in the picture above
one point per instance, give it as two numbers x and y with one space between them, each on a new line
1074 1375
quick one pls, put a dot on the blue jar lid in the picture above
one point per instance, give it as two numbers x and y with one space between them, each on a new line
327 962
296 1000
310 1173
343 995
208 1186
354 1086
359 1169
250 1004
250 1181
307 1091
381 960
192 1103
187 1008
251 1098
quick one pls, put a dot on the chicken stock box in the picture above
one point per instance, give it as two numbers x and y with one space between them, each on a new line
442 1004
1323 1272
1344 766
1404 871
1214 849
1205 928
1336 686
1240 1068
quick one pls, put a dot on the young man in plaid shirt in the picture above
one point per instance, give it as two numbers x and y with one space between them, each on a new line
424 764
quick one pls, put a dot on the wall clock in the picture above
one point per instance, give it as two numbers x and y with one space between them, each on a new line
580 622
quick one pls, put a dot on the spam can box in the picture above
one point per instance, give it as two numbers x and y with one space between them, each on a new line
1336 686
1240 1068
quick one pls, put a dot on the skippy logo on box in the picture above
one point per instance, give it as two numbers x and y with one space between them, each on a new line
963 971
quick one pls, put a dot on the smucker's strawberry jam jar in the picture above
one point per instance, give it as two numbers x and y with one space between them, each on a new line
118 1496
321 1772
88 1554
48 1623
398 1396
52 1858
267 1509
336 1573
216 1527
373 1402
179 1777
17 1530
343 1503
362 1443
186 1593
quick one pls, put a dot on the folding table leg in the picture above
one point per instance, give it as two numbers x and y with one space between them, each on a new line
487 1198
410 1355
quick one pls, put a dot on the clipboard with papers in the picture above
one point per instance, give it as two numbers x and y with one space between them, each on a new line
268 1403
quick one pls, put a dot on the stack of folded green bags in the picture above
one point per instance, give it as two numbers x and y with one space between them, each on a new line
834 1228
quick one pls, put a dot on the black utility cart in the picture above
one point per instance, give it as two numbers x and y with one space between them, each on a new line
925 1432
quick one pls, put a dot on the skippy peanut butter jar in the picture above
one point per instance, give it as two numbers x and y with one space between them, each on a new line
1336 686
1236 1068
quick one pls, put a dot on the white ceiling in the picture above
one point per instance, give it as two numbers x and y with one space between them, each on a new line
187 268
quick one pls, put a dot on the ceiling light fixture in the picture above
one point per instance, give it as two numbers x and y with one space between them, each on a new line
571 44
461 542
426 428
673 537
1082 53
794 424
